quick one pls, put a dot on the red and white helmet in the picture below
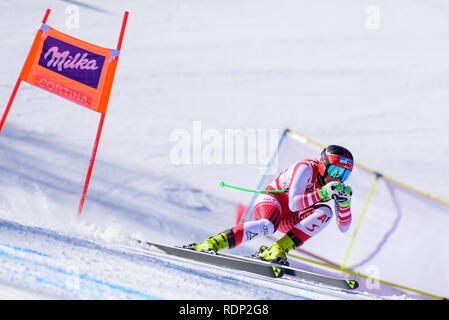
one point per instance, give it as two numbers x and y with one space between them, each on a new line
337 162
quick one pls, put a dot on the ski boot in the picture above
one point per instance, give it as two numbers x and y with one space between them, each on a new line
277 252
211 244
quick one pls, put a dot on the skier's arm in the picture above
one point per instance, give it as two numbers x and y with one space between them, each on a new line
297 199
344 217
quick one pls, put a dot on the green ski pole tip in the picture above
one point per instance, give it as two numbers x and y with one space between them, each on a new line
222 184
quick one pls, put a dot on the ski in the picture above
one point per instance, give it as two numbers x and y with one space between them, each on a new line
218 260
306 275
249 265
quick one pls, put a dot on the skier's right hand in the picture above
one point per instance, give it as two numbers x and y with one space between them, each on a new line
331 189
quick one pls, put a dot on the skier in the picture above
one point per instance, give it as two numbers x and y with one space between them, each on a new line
300 212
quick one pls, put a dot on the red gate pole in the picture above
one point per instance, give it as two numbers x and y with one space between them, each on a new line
8 106
17 85
100 127
91 163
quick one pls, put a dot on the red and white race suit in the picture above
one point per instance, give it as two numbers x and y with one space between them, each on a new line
300 212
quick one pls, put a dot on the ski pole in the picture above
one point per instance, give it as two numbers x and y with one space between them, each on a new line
222 184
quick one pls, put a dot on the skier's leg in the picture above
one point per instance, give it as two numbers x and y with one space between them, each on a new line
311 221
267 215
248 231
267 212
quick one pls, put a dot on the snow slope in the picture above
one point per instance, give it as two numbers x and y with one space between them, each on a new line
225 65
46 264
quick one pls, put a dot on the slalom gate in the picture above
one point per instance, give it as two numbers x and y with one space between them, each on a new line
75 70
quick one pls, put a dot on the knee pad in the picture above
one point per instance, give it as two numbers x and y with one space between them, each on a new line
267 226
249 230
262 227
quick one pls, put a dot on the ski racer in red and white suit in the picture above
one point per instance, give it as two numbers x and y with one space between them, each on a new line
300 211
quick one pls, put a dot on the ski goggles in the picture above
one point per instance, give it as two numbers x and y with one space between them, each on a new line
338 172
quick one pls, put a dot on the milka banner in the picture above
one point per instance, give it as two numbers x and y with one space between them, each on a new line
74 70
70 68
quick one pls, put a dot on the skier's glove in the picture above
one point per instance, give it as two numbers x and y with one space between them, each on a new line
331 190
344 197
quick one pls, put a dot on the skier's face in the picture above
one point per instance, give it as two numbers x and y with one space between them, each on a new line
328 179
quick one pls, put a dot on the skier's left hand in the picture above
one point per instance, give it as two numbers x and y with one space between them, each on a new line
343 195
